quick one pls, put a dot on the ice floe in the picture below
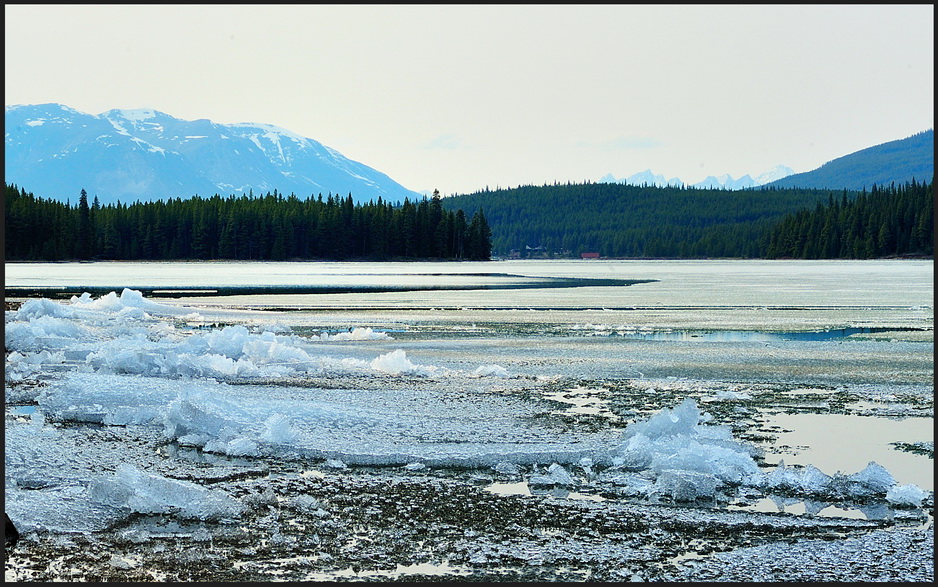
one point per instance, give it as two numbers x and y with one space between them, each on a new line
125 361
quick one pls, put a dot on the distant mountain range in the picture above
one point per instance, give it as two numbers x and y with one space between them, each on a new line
143 155
897 162
647 177
55 151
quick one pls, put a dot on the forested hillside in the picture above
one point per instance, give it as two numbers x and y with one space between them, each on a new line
618 220
625 221
271 227
898 162
893 221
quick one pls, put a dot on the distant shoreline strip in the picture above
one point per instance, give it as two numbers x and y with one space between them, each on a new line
184 291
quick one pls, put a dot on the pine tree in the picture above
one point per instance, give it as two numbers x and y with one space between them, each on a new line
84 236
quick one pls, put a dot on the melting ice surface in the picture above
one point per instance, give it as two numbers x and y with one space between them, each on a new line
126 361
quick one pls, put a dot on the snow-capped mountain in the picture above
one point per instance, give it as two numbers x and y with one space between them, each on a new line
722 182
55 151
643 178
777 172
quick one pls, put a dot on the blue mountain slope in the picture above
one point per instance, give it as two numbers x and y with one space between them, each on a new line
54 152
896 162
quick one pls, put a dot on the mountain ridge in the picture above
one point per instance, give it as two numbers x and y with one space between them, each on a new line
899 161
725 181
144 155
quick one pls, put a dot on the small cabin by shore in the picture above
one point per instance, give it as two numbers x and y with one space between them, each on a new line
589 255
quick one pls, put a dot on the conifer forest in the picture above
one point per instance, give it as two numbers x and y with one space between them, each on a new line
271 227
551 221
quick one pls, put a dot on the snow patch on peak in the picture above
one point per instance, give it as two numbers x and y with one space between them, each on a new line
724 181
136 114
776 173
272 132
646 177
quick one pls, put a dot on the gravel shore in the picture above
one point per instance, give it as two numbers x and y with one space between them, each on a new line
390 524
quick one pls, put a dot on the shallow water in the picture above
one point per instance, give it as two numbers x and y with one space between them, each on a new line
847 443
759 336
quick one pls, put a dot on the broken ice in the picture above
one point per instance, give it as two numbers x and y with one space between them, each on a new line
128 361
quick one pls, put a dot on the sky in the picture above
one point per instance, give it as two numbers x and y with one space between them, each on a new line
463 97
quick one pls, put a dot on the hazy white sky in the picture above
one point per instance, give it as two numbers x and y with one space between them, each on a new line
460 97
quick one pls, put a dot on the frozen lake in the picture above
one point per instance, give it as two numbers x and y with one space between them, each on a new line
787 384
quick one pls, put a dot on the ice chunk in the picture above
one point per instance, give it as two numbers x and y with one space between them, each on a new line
21 366
147 493
668 422
783 477
506 468
635 453
43 333
684 485
689 454
877 511
307 504
129 299
676 440
556 475
397 363
809 480
813 507
228 342
196 412
358 333
631 484
107 399
874 477
278 429
814 481
906 495
36 307
242 447
491 371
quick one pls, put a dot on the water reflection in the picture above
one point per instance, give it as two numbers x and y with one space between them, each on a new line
582 401
400 572
816 508
522 488
847 443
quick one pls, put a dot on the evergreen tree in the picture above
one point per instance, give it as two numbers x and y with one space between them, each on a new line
84 237
478 235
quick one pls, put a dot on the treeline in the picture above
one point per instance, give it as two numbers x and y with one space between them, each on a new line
614 220
270 227
893 221
626 221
